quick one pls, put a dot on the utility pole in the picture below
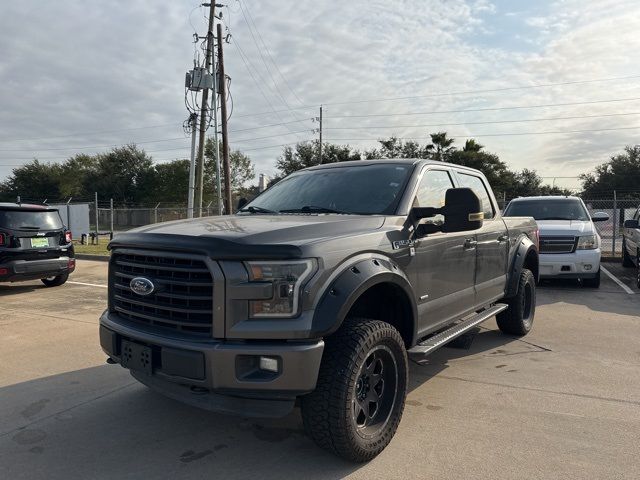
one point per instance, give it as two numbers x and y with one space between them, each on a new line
204 112
225 132
193 121
320 146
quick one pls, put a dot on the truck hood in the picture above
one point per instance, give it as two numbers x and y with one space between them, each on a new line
268 229
565 227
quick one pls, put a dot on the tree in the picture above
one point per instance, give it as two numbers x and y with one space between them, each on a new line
33 181
396 148
441 146
620 173
305 154
124 174
240 166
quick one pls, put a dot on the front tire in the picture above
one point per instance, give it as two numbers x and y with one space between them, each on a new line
592 282
517 319
55 281
359 397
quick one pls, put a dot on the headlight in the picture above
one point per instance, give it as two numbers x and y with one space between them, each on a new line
287 277
588 242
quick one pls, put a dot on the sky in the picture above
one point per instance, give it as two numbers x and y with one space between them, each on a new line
548 85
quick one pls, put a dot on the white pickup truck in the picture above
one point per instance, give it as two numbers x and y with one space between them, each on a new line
569 241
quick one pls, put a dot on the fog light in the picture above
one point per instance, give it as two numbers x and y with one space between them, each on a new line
269 364
587 266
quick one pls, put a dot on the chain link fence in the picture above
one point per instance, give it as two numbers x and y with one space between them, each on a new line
117 218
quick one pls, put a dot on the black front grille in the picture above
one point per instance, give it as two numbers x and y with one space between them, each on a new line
557 244
183 295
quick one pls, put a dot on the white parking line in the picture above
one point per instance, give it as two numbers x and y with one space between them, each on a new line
612 277
88 284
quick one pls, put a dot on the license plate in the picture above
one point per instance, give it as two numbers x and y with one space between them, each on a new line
40 242
136 357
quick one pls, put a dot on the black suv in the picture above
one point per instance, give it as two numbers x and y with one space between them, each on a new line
34 244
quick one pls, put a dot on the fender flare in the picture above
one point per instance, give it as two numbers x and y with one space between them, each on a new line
353 279
525 246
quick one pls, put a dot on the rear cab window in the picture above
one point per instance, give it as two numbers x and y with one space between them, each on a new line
30 220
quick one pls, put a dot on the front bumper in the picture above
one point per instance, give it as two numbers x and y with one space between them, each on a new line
219 375
22 270
579 264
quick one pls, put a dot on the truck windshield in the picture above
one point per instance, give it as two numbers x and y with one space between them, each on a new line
366 190
30 220
552 209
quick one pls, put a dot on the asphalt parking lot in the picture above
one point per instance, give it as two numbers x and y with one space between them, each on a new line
564 402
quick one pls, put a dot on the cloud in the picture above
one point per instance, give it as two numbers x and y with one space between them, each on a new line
72 68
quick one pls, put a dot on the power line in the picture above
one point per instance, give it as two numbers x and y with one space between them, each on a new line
484 123
90 146
270 125
275 84
246 61
272 136
266 49
508 134
491 109
86 133
275 146
491 90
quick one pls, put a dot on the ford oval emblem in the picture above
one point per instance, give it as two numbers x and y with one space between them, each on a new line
142 286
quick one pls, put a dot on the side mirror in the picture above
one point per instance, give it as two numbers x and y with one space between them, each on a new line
242 202
462 212
631 224
600 217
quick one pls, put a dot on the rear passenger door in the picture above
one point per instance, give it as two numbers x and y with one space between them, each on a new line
493 242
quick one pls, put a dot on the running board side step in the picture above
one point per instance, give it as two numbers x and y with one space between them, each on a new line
433 343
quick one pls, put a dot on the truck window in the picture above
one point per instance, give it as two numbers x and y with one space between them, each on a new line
373 189
477 185
431 192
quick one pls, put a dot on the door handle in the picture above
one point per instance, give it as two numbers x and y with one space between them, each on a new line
503 238
470 244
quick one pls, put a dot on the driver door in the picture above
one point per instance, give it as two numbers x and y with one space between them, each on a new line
445 262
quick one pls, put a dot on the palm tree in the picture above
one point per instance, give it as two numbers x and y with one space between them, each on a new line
441 146
472 146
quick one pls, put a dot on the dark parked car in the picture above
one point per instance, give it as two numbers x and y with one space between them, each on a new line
318 290
34 245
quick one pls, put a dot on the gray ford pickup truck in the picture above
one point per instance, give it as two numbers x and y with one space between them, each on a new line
319 291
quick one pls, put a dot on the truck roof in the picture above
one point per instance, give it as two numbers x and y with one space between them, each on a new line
395 161
546 197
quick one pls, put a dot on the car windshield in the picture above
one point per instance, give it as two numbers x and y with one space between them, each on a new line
30 220
367 190
552 209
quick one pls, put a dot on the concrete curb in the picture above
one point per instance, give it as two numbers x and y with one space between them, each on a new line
87 256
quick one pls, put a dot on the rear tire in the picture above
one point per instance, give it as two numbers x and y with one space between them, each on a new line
55 281
359 397
518 318
627 262
592 282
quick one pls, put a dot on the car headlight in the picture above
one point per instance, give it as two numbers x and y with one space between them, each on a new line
287 278
587 242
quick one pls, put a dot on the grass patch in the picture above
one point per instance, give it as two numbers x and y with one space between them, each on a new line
100 249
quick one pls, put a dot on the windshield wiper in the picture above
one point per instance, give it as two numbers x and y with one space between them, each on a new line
558 218
313 209
252 209
28 227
